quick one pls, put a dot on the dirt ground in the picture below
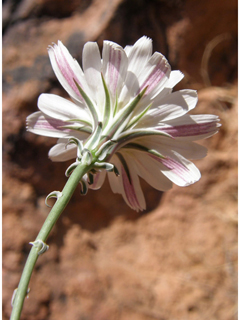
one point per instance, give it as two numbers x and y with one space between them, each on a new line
178 259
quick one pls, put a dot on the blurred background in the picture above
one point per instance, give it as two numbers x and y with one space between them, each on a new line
178 259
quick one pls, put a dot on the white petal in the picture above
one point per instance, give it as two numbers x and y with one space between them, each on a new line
128 50
115 65
92 69
62 109
175 77
177 104
60 152
129 90
67 69
139 55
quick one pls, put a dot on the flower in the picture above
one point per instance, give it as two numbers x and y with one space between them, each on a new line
124 117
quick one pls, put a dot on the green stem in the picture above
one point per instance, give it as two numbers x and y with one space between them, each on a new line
50 221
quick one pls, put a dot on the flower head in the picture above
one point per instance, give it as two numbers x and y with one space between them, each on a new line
124 117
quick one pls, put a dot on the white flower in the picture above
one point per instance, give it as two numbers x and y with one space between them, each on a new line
124 117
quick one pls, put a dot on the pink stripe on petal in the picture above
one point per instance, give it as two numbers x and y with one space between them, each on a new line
66 70
175 166
129 190
155 76
114 68
190 129
51 124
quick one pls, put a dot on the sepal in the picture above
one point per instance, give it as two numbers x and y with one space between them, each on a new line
84 187
104 150
71 168
107 109
54 194
90 178
138 117
42 246
78 144
95 137
89 103
86 157
99 166
115 170
123 116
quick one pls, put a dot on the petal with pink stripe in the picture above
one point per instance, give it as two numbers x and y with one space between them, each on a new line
179 170
44 125
192 127
149 169
115 65
127 183
157 71
67 69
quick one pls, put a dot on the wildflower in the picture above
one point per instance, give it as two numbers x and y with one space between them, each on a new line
123 118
